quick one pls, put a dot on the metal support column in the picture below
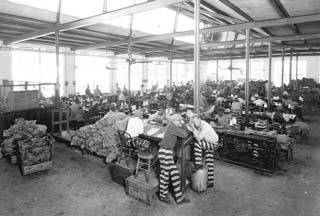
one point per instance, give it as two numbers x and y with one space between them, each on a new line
217 70
130 60
290 67
196 57
297 61
231 69
172 42
270 74
247 72
282 69
57 86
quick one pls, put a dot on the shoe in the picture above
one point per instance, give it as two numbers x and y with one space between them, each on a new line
197 167
184 200
166 200
210 185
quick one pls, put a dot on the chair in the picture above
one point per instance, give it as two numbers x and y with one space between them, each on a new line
145 157
127 146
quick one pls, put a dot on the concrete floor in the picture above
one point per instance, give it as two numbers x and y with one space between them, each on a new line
79 186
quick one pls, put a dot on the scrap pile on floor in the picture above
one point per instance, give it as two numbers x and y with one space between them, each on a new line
101 138
22 131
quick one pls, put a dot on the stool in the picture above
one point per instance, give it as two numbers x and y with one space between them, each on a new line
145 157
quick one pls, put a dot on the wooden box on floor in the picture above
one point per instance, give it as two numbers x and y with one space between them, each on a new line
120 172
29 169
26 170
139 189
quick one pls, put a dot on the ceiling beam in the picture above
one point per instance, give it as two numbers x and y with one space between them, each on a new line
226 18
224 28
212 56
232 43
243 14
96 19
281 10
262 49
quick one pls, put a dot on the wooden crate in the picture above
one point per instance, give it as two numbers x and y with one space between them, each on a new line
139 189
29 169
119 173
14 159
26 170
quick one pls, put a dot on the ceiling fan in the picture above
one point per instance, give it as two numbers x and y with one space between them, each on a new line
230 67
131 60
110 68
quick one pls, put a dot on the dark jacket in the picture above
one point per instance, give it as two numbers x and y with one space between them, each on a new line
170 136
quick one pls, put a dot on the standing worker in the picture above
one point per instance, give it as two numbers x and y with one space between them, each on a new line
168 168
207 139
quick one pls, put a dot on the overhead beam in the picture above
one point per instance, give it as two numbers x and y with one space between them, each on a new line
224 28
222 54
281 10
236 42
243 14
97 19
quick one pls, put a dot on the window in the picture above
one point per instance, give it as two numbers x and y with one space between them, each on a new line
158 74
257 69
37 67
91 70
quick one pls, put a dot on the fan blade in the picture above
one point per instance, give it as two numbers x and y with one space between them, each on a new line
110 68
142 61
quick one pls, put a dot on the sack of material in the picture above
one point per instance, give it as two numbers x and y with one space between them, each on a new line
200 180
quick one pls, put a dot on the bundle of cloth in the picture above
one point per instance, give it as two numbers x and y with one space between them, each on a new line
35 150
101 137
21 130
298 130
285 141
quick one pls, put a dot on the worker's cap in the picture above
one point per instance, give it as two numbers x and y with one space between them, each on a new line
175 117
138 113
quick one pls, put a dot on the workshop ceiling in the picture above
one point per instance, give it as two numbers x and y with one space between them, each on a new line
18 20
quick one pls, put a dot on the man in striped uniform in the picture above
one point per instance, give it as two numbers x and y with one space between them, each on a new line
207 139
168 168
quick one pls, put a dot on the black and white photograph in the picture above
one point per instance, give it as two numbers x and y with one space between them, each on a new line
159 107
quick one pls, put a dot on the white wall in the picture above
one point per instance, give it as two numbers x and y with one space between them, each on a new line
69 75
5 65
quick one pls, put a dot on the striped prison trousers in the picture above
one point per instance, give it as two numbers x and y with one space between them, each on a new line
209 150
169 170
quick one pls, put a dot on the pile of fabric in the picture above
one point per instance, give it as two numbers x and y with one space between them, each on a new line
101 137
22 130
34 151
299 130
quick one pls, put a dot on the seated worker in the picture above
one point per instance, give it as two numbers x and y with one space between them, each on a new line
259 102
77 114
213 110
88 91
222 120
236 106
135 124
159 116
206 139
112 112
97 92
168 168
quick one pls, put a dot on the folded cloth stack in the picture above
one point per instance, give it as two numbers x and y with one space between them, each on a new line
101 137
21 130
